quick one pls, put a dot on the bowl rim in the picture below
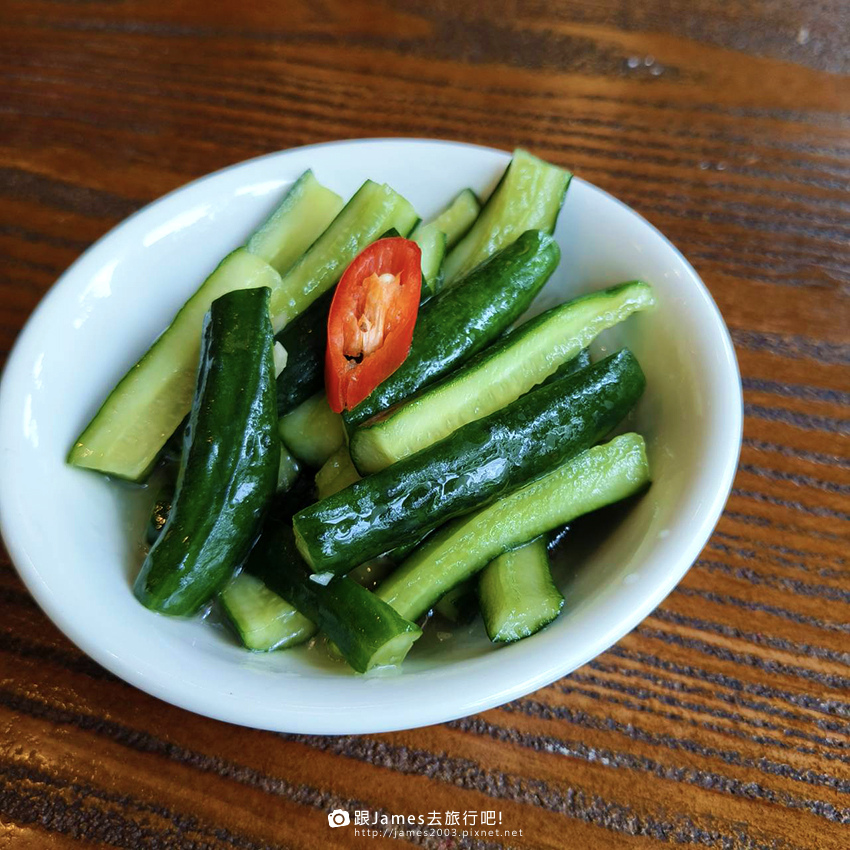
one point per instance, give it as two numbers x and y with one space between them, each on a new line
235 712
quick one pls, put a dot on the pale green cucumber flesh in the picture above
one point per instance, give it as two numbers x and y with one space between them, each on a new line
432 244
126 435
516 593
304 213
374 209
394 651
336 474
528 197
458 217
262 619
597 477
312 432
280 356
499 375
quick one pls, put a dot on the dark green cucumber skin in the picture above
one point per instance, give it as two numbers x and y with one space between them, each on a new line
473 466
350 615
305 340
229 463
462 320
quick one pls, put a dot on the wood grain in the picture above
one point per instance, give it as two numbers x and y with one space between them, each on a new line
723 720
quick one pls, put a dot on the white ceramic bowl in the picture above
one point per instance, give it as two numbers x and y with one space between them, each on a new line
75 537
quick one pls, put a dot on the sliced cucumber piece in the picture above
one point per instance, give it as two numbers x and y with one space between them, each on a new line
367 631
438 236
336 474
125 436
149 403
312 432
478 463
374 209
517 594
262 619
458 217
432 243
502 373
228 470
305 212
529 197
595 478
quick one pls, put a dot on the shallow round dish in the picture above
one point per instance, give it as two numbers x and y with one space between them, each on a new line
75 537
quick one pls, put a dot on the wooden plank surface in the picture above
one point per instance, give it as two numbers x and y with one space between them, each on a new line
723 720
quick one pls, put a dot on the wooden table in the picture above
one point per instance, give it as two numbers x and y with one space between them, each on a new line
722 721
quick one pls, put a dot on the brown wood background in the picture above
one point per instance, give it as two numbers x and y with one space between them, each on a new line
723 720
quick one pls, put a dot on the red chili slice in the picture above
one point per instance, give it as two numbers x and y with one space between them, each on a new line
370 324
